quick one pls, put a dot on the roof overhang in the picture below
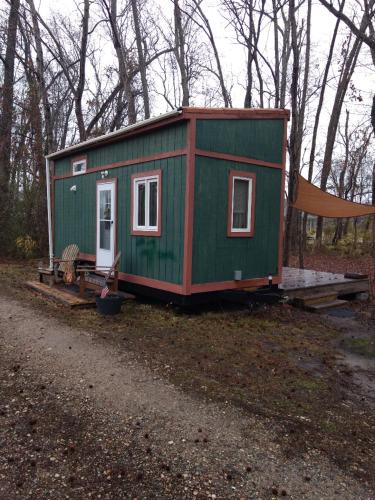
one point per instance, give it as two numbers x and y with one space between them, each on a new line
186 112
112 136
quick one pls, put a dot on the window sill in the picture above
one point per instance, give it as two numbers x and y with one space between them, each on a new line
240 234
138 232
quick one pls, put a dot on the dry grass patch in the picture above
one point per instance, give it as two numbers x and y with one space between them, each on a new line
279 363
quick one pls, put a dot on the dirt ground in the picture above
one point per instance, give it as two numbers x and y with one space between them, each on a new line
159 404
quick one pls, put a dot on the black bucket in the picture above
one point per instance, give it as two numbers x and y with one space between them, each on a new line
109 305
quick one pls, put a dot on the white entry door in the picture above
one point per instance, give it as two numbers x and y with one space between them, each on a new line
105 222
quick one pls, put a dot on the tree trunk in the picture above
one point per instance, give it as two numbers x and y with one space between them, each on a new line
373 217
82 72
6 119
141 59
293 138
346 74
180 53
319 109
276 52
207 28
49 145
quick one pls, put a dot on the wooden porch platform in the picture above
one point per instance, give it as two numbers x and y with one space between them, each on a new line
61 295
304 282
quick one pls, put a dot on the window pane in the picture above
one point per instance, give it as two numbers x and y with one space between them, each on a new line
141 189
79 166
153 203
105 204
240 203
105 235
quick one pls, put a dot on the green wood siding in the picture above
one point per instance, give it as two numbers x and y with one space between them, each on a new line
159 140
258 139
153 257
215 255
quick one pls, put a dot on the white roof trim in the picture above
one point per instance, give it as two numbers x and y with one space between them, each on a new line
105 137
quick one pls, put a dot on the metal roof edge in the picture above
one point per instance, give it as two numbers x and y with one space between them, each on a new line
116 133
282 112
179 111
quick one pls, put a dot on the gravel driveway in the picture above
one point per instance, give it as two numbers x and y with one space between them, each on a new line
80 419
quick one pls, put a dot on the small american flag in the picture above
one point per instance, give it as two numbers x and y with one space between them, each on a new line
105 292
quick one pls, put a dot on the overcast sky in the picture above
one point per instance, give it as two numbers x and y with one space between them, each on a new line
233 56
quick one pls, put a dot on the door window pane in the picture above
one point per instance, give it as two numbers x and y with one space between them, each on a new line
141 204
240 204
105 205
105 235
153 203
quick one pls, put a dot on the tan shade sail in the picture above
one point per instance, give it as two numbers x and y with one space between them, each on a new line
314 201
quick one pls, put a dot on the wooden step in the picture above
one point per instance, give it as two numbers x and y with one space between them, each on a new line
315 298
60 295
326 305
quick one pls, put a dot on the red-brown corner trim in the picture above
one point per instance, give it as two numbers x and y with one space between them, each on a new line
189 207
233 285
282 200
128 163
255 113
106 181
238 159
150 282
138 175
246 175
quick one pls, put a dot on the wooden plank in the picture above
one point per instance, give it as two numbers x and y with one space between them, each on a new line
59 295
339 289
326 305
313 299
305 282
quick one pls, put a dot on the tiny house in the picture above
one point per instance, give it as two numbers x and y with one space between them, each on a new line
193 199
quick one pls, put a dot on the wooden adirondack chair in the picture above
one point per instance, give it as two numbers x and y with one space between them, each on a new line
65 265
97 277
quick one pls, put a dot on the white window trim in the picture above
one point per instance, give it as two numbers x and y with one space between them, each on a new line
77 162
249 203
145 180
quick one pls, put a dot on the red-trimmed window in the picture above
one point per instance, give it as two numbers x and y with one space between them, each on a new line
146 203
79 165
241 203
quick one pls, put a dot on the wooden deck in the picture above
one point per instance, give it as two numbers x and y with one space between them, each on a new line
61 295
304 282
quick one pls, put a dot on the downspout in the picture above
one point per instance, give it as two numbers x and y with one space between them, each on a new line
50 241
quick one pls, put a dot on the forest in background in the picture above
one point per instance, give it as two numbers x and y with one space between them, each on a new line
67 78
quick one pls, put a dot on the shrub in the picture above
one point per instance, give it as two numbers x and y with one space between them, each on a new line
26 246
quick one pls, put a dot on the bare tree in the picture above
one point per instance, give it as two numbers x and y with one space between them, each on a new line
367 23
41 79
348 66
141 58
318 113
6 120
68 62
203 22
298 96
179 50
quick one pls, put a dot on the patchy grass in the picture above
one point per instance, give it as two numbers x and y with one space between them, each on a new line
363 347
280 363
